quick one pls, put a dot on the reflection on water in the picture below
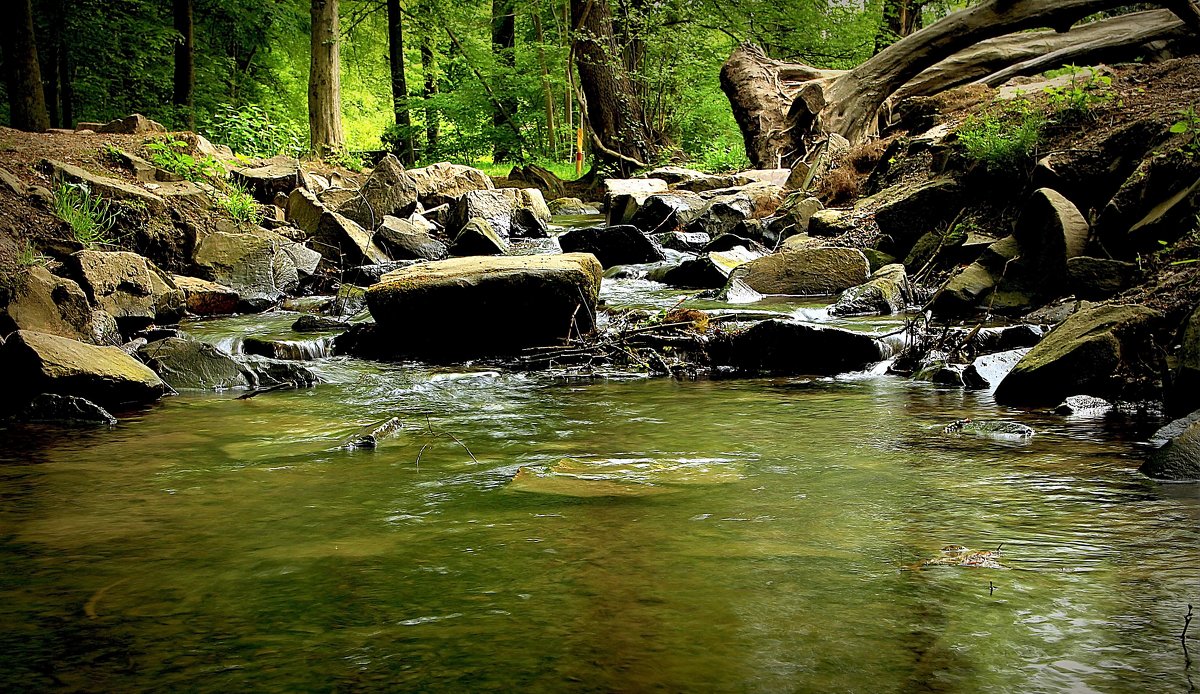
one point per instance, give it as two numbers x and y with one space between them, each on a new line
216 544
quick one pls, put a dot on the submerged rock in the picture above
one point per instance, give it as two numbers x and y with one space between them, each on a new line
788 347
292 350
1084 406
807 272
989 428
957 555
66 409
186 363
370 435
1178 460
309 323
468 307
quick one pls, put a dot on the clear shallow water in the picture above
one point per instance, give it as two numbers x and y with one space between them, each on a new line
742 535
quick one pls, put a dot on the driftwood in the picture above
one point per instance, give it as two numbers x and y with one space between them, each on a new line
969 45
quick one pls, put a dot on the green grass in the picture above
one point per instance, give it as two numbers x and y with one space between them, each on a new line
240 204
1003 140
90 217
565 170
29 256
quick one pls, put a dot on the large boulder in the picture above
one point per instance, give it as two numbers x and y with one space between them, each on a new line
708 271
272 177
1178 458
128 287
1157 203
205 298
906 211
793 215
442 183
530 199
403 240
1050 232
341 241
1085 355
256 266
614 187
618 245
884 294
389 190
789 347
186 363
1099 278
722 215
469 307
478 238
43 363
304 210
806 272
34 299
665 212
493 206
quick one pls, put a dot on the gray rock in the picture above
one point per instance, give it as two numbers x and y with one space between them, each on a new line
366 275
343 242
884 294
186 363
787 347
478 238
986 372
442 183
999 429
42 363
830 223
304 210
128 287
571 206
66 409
665 212
618 245
403 240
274 176
682 241
104 186
309 323
1084 406
708 271
722 215
389 190
369 436
254 265
1178 460
808 272
1099 278
493 206
906 211
290 350
36 300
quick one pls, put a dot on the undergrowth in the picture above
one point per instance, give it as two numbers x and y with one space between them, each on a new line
240 204
1004 139
90 217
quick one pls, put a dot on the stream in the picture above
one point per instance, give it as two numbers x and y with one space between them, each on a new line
523 532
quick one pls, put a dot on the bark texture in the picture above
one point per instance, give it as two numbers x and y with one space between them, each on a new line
27 100
185 66
395 19
504 109
324 81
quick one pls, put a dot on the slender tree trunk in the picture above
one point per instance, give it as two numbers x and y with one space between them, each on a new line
547 92
619 132
900 18
399 80
185 61
569 95
50 84
66 90
27 100
504 111
324 81
433 128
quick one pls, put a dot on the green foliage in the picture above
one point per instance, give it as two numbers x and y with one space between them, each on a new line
1003 139
252 132
29 256
722 156
1189 126
90 217
345 159
171 155
1088 90
240 204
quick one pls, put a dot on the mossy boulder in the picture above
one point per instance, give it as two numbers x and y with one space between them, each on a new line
1178 460
187 363
42 363
1084 355
884 294
805 272
469 307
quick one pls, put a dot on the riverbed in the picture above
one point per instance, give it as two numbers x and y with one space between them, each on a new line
531 532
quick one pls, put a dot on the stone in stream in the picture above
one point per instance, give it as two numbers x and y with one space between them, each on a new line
65 409
728 242
290 350
43 363
468 307
722 215
789 347
615 245
186 363
478 238
708 271
666 212
366 275
588 478
571 206
256 266
368 437
404 240
986 372
808 272
1178 458
346 244
682 241
205 298
959 556
884 294
1084 406
34 299
493 206
442 183
267 373
998 429
1099 278
309 323
1083 355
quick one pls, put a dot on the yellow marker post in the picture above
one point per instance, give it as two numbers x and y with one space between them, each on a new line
579 152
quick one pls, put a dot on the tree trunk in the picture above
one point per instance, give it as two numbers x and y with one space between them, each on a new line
66 88
27 100
619 132
185 65
547 92
324 81
399 81
504 109
900 18
429 73
849 104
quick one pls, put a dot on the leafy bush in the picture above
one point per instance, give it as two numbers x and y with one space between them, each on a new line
171 155
251 132
240 204
1004 139
723 156
1088 89
90 217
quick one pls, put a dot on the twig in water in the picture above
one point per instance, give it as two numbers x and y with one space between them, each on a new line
991 587
1187 621
468 450
419 454
260 391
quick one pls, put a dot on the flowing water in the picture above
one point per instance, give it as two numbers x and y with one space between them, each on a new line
522 533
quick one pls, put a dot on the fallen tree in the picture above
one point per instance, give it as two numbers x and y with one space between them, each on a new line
784 109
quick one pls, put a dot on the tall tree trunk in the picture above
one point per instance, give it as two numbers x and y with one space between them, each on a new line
185 61
66 87
900 18
50 84
504 110
399 80
569 99
433 130
620 135
27 100
547 92
324 81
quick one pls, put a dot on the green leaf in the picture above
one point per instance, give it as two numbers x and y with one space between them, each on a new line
1179 128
